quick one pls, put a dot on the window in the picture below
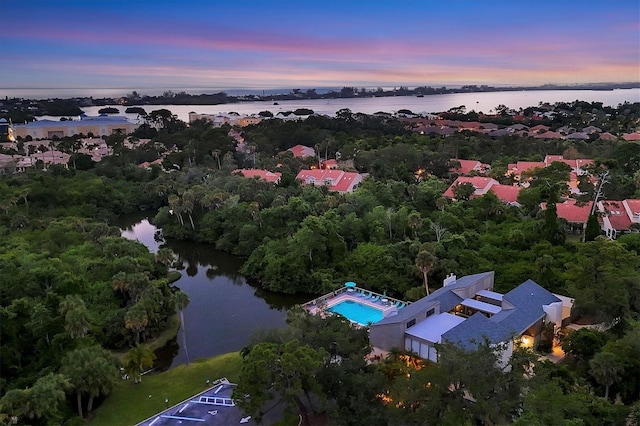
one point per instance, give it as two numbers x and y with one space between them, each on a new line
431 312
411 323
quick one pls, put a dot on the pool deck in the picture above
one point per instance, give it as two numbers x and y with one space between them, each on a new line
388 305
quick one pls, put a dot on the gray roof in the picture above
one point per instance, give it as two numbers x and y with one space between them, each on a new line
528 299
444 295
474 330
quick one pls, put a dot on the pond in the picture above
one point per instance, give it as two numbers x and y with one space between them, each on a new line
225 310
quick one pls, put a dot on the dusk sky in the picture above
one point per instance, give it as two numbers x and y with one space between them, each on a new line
223 45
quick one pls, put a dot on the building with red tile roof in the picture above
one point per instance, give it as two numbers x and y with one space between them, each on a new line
572 211
336 180
506 193
631 136
516 169
606 136
329 164
539 128
468 166
261 174
576 214
619 216
549 135
481 185
302 151
577 166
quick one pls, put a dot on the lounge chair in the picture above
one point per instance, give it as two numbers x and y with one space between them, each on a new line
361 293
368 296
402 305
375 299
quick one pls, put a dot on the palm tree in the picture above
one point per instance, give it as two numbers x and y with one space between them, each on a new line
76 316
90 370
165 256
77 322
425 261
136 319
216 154
606 369
180 300
415 222
136 360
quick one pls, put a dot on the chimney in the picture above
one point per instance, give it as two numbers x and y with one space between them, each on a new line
449 280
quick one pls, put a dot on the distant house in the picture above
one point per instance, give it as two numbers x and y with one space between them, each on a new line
218 120
468 166
302 151
482 185
591 129
619 217
549 135
329 164
577 136
516 170
574 213
578 166
97 126
631 136
6 131
336 180
539 128
606 136
466 311
261 174
148 164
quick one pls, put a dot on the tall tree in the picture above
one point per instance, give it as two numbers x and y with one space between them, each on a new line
425 260
137 360
91 370
606 369
181 300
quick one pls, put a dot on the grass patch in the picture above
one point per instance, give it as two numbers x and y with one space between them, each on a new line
173 276
129 403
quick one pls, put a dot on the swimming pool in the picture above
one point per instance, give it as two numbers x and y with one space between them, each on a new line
357 312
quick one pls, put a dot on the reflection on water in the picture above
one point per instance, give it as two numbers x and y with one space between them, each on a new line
225 311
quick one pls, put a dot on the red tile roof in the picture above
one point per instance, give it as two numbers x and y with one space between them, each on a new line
336 180
466 166
608 136
302 151
632 207
631 137
616 214
549 135
523 166
506 193
262 174
572 212
481 184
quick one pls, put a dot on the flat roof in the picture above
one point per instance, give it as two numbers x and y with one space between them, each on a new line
432 328
481 306
490 295
213 407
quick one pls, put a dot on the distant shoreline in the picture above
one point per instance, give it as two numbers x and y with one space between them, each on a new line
201 96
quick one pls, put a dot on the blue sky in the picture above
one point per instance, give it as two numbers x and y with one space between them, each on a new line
285 44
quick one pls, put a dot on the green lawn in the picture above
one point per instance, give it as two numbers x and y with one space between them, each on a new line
130 403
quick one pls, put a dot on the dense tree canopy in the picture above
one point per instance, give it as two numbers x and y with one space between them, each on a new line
69 283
